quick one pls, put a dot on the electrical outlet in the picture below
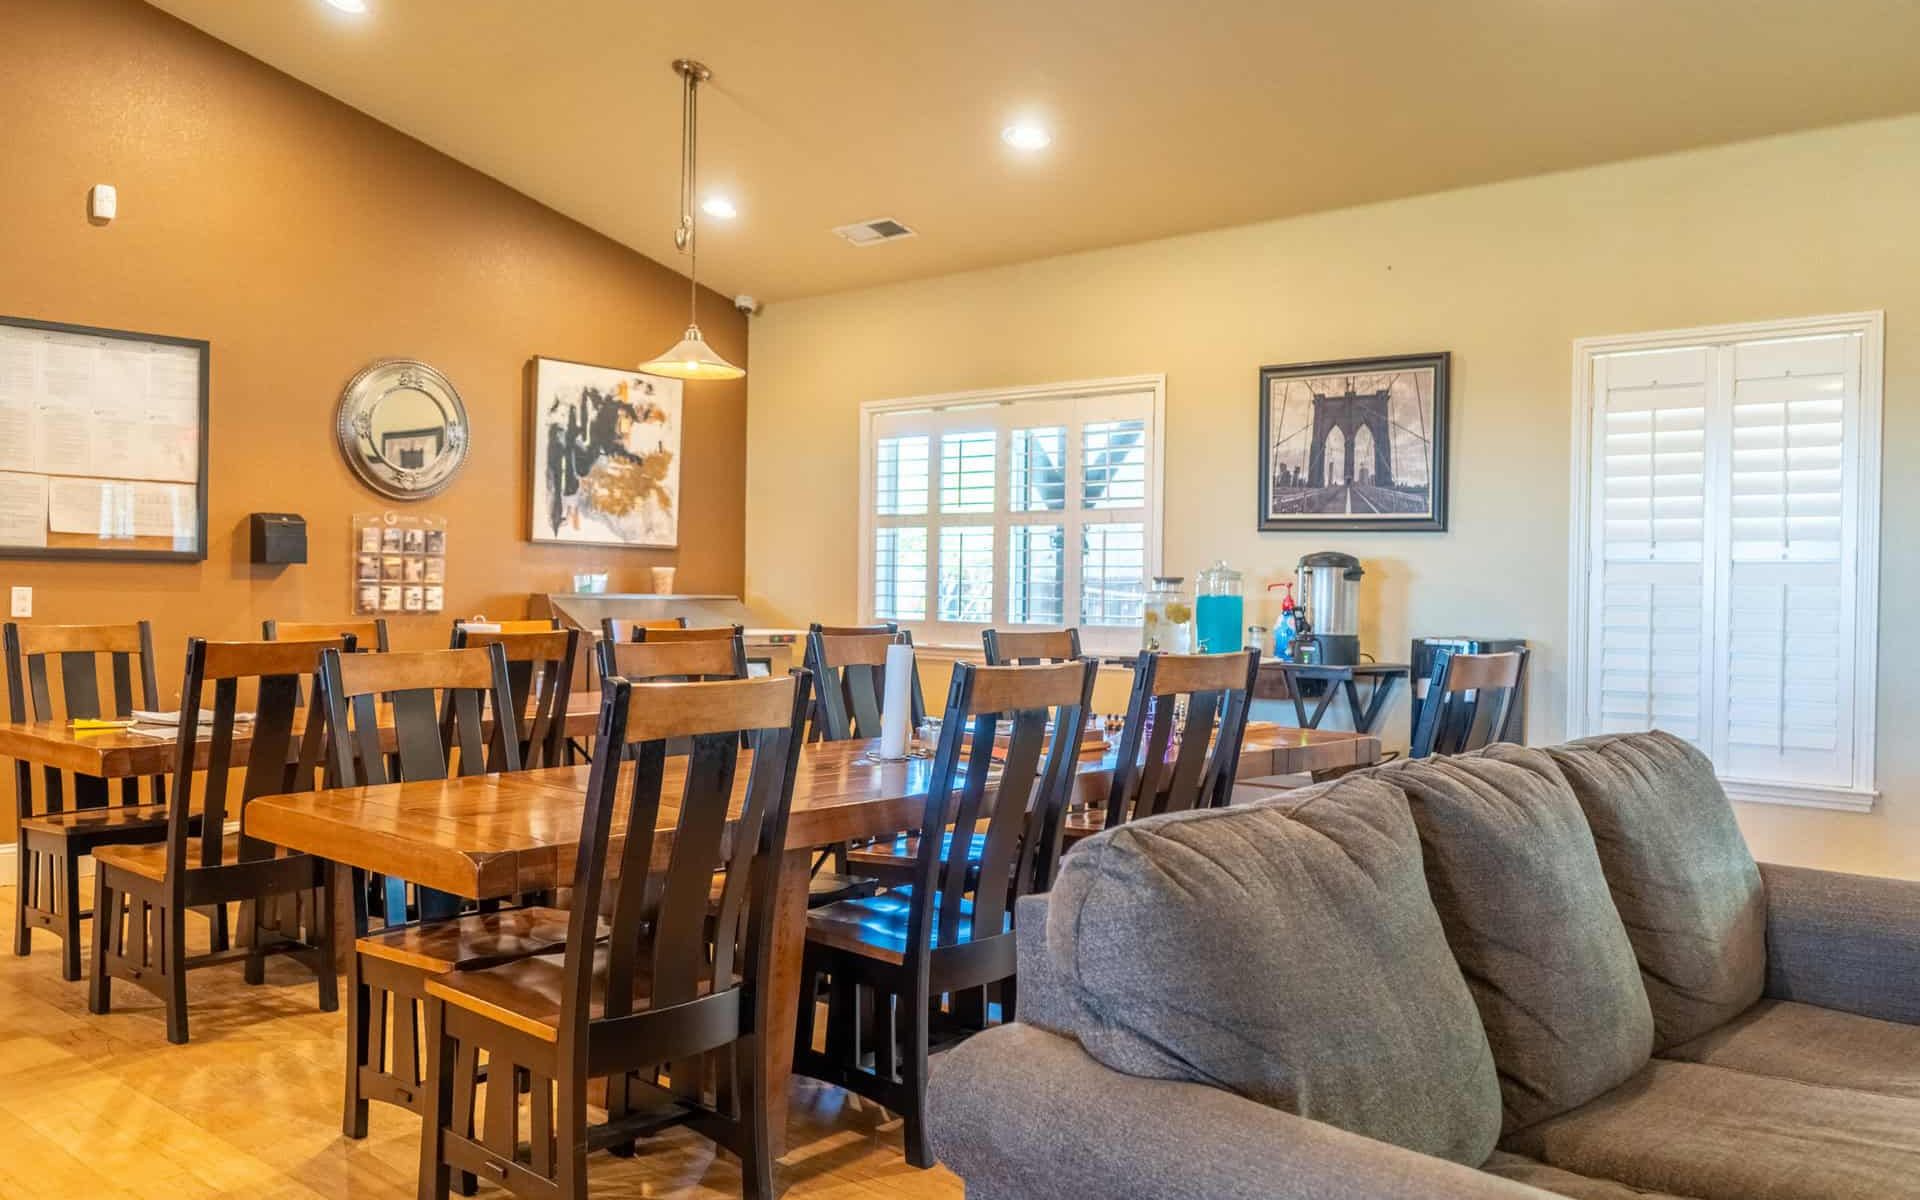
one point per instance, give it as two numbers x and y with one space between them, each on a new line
23 602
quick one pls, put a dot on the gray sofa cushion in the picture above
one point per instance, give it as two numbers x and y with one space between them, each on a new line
1566 1183
1814 1045
1714 1134
1285 951
1513 870
1682 878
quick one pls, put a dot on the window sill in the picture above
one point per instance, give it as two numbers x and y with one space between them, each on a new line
1801 795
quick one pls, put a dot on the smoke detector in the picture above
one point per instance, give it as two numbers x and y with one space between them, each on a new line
869 233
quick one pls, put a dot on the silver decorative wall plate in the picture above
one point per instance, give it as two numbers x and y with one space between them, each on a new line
403 428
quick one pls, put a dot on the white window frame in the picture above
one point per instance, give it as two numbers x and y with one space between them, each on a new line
1871 327
958 635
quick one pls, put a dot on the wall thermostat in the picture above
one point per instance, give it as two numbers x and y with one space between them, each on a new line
103 202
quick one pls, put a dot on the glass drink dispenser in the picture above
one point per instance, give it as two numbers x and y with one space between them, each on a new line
1220 614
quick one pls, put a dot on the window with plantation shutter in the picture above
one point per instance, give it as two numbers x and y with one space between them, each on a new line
1726 585
1036 507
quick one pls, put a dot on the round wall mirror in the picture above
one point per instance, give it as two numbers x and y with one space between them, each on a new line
403 429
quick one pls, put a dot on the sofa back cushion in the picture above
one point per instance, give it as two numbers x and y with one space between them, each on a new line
1681 875
1286 951
1517 881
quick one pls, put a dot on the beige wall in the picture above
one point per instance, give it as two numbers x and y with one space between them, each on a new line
304 240
1506 277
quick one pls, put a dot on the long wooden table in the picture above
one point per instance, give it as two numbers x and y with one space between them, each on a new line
489 836
123 754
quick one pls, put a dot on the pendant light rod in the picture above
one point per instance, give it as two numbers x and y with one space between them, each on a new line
685 236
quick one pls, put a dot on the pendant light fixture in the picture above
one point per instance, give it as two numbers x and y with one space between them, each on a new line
691 358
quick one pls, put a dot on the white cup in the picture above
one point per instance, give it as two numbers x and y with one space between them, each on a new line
663 580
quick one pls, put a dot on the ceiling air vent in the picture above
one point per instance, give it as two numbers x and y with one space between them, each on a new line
868 233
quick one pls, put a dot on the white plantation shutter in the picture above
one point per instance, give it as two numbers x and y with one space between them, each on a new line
1723 589
1790 612
1649 574
1033 508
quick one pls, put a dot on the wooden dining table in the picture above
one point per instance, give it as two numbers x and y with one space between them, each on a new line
484 837
125 754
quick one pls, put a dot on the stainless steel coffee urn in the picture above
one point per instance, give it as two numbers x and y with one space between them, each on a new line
1330 592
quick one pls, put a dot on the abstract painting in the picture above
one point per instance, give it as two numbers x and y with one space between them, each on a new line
606 455
1359 444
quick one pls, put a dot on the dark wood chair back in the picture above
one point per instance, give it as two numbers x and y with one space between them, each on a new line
281 757
1028 647
657 661
76 652
1016 817
1467 701
849 671
369 633
540 683
1150 777
438 698
697 960
622 629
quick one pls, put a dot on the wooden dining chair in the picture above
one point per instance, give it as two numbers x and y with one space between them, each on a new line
951 932
142 892
649 632
679 979
438 699
1027 647
849 669
540 685
1203 700
653 661
1467 701
67 816
623 629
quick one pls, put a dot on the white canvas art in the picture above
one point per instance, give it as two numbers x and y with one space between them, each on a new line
606 456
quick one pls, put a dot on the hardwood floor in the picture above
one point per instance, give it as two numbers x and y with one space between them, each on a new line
103 1107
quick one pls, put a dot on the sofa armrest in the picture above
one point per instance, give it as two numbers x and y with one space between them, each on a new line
1846 942
1021 1114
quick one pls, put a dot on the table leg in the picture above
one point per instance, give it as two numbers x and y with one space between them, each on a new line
783 990
1382 691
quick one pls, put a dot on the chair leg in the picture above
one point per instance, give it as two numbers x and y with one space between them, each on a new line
173 956
23 861
435 1176
320 932
252 913
353 1116
913 1080
106 912
70 916
755 1134
466 1075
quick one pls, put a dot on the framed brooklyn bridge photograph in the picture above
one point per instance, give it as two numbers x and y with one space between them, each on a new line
1358 444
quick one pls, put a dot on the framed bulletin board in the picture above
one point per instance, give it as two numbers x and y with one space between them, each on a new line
103 443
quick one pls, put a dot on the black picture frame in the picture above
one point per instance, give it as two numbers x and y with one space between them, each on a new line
130 553
1431 518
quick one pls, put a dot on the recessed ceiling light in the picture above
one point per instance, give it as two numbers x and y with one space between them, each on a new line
1026 135
719 207
349 6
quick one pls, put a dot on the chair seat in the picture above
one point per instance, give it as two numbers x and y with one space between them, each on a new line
526 994
149 861
877 927
114 818
904 849
471 942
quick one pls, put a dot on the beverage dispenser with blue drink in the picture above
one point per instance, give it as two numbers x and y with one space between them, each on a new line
1219 610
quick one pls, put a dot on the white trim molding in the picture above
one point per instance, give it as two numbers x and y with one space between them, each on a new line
1870 327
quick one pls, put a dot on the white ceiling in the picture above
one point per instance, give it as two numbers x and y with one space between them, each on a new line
1167 117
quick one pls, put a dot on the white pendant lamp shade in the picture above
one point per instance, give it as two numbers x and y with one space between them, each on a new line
692 358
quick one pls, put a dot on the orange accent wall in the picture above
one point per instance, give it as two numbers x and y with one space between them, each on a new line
304 239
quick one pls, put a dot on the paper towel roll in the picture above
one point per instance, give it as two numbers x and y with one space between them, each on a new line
896 707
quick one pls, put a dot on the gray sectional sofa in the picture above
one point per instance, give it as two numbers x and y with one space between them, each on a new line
1517 973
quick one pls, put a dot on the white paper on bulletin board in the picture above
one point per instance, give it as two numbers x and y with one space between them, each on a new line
23 509
114 508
